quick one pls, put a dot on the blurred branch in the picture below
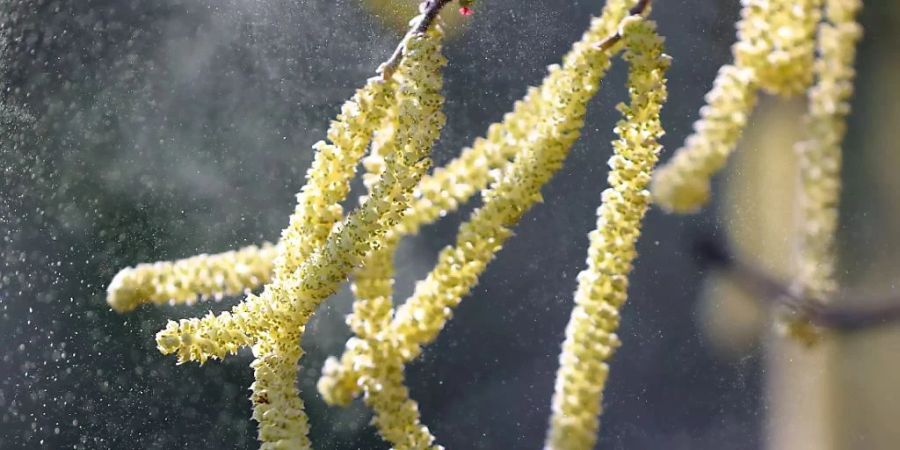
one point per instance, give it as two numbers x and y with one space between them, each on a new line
429 10
837 314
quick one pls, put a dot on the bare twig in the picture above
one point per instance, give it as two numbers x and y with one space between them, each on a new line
638 9
429 10
835 315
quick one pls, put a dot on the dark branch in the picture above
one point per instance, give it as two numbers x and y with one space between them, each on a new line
836 314
638 9
429 10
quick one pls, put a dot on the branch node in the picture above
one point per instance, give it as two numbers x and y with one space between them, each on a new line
429 10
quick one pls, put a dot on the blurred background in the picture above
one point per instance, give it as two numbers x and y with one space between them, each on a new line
135 131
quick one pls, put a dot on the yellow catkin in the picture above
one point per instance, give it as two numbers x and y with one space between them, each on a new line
273 322
373 282
328 179
776 40
819 157
556 118
774 52
184 280
318 209
396 414
380 367
602 287
470 172
682 185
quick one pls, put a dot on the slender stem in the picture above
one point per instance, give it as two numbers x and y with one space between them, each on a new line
638 9
429 10
835 315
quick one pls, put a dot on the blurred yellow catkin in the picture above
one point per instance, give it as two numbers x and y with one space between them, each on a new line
774 53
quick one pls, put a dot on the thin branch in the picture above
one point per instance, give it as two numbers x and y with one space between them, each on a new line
836 314
429 10
638 9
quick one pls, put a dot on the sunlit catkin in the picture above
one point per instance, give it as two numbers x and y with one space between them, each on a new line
682 185
381 369
318 209
774 52
273 322
328 179
819 157
602 287
470 172
185 280
776 40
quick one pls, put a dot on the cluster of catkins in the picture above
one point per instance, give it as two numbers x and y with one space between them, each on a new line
396 119
784 48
